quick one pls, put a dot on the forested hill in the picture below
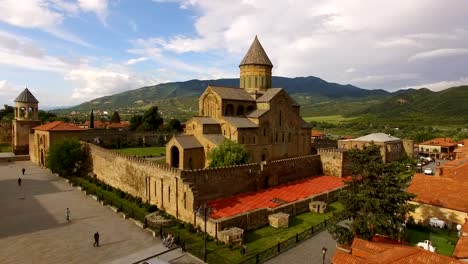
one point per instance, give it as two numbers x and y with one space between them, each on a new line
306 86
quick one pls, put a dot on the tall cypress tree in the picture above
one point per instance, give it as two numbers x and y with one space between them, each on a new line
91 119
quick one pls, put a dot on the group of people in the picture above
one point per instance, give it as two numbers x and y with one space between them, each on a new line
168 240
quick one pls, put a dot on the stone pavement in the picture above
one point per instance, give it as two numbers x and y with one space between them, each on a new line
309 251
33 228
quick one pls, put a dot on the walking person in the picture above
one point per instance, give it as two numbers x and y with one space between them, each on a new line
19 181
67 214
96 240
23 170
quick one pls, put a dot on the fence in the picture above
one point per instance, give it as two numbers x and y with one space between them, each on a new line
291 242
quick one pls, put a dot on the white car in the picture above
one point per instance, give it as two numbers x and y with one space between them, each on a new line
426 245
428 171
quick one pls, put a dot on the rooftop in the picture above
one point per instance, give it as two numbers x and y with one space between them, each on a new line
461 249
232 93
256 55
26 97
58 126
442 142
440 191
240 122
188 141
376 137
363 251
271 197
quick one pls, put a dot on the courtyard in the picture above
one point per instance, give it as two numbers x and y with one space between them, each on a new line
33 228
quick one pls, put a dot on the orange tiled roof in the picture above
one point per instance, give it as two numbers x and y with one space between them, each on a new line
118 125
97 124
58 126
465 226
363 251
290 192
440 191
455 169
317 133
442 142
461 249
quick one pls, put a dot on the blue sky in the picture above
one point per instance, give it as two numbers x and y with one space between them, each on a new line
70 51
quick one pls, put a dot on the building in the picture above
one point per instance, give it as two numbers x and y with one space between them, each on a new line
461 249
366 252
438 148
264 119
26 117
391 148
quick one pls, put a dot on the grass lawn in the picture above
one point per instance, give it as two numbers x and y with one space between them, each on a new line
145 151
259 239
5 147
444 240
333 119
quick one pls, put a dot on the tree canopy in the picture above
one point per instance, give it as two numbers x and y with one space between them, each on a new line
115 117
150 121
375 199
66 157
228 153
7 113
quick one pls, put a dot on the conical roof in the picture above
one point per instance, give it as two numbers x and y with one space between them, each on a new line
26 97
256 55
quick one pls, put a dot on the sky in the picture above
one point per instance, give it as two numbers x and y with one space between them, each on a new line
70 51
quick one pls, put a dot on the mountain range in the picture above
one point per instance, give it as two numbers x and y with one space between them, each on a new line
316 96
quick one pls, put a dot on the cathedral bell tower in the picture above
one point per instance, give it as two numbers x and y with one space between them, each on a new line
26 117
255 69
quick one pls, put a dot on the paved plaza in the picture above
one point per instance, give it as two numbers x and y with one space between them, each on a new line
33 228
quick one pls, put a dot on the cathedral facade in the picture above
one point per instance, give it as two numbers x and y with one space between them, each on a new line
264 119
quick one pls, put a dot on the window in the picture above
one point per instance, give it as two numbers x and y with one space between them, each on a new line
289 137
283 137
169 194
185 200
254 139
190 163
280 117
264 132
242 141
229 111
240 110
276 140
155 188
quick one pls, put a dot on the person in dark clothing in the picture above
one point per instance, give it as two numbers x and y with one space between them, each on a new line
19 181
96 240
23 170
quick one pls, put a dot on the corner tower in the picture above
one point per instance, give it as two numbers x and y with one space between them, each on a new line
255 69
26 117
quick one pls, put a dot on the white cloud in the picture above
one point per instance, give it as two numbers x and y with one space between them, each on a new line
438 53
350 70
398 42
439 86
135 61
99 7
376 79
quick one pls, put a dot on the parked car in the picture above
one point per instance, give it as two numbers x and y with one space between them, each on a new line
426 245
428 171
436 222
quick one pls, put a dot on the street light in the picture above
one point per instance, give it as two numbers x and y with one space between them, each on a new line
204 210
324 252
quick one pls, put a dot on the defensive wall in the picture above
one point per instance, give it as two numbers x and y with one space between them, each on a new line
180 193
335 162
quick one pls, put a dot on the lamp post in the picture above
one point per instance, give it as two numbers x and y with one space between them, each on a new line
324 252
204 210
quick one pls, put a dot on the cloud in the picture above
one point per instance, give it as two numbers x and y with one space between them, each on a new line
439 86
135 61
438 53
376 79
398 42
350 70
99 7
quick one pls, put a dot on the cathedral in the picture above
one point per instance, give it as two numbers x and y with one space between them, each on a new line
264 119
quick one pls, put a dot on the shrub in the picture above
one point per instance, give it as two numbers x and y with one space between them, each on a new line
152 208
189 227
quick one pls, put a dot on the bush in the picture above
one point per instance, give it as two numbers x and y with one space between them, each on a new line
189 227
152 208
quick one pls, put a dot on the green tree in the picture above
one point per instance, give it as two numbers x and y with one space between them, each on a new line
115 117
135 122
375 199
173 125
228 153
46 116
91 119
152 119
66 157
7 113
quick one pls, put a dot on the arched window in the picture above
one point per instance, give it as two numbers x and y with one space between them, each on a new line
240 110
280 117
22 112
190 163
250 108
242 141
229 111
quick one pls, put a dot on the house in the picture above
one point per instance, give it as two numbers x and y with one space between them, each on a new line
439 148
391 148
317 134
366 252
461 249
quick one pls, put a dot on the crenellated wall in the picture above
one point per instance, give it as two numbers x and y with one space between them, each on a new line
335 162
5 132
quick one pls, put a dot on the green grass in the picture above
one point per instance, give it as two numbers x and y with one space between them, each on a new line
333 119
444 240
145 151
259 239
5 147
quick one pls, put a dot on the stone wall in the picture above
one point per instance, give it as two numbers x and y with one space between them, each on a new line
451 217
335 162
5 132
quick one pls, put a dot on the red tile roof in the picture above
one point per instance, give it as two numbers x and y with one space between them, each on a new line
97 124
58 126
440 191
317 133
443 142
461 249
363 251
290 192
